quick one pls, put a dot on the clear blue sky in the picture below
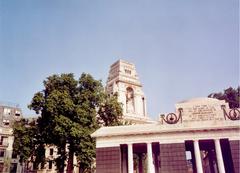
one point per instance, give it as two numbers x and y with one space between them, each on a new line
181 48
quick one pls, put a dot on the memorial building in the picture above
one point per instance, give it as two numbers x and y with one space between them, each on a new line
201 136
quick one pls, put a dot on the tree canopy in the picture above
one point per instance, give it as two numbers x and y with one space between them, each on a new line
230 95
68 111
23 144
110 112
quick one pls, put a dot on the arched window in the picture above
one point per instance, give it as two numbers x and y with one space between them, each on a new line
130 100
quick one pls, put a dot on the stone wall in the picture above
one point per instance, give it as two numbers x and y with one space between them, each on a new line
108 160
235 148
173 158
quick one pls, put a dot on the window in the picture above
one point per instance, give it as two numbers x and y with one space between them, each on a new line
6 122
50 164
4 140
17 113
13 168
2 152
1 140
1 167
42 165
59 151
51 151
7 111
14 155
128 71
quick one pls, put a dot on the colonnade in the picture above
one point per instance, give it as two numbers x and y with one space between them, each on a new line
197 153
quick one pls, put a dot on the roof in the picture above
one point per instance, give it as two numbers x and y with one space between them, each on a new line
160 128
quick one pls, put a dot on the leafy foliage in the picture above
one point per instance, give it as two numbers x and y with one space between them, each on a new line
110 112
27 142
68 109
230 95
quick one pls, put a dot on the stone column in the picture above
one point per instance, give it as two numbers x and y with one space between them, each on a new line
149 159
145 107
219 156
198 156
130 158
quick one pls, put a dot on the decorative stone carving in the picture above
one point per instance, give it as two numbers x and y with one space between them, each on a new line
201 110
172 118
233 114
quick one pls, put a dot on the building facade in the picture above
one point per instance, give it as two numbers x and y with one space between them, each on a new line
51 153
9 113
202 136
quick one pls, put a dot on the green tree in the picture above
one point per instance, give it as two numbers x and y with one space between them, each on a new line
230 95
110 111
23 143
28 144
68 110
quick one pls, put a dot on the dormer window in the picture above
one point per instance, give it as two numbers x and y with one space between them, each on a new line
128 71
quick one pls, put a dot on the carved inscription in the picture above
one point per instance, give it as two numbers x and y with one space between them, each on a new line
200 113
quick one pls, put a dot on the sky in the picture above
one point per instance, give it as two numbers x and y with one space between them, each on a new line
181 49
